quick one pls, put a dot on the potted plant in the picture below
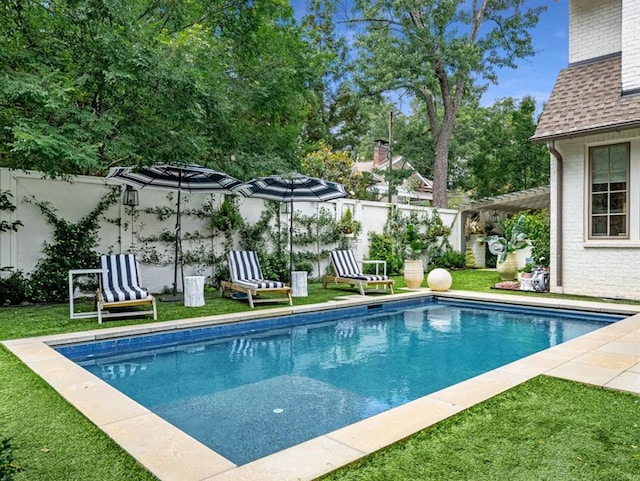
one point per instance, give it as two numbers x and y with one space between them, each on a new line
413 268
505 248
525 277
348 226
526 271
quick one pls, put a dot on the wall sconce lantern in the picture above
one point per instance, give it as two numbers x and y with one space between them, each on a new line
496 217
130 198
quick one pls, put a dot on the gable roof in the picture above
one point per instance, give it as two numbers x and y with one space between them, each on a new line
423 191
587 99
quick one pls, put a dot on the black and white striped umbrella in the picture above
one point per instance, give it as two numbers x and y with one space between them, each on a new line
292 188
192 179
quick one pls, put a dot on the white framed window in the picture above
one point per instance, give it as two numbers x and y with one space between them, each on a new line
609 191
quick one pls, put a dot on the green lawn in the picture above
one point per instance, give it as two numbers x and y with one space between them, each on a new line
546 429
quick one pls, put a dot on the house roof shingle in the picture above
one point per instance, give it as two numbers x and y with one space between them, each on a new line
587 99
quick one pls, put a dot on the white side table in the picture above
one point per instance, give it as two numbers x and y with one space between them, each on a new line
80 272
299 284
377 264
194 291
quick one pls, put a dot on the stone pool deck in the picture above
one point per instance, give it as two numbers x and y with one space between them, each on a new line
608 357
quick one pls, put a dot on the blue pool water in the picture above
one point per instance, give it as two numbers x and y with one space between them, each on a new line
248 390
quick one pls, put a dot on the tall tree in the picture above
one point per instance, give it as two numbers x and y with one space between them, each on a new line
438 51
89 85
505 160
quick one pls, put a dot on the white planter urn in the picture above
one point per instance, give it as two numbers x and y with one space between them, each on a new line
413 273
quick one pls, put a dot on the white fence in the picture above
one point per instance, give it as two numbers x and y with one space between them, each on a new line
121 232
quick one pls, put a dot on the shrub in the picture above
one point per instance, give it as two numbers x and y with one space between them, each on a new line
449 259
536 226
381 248
13 289
7 467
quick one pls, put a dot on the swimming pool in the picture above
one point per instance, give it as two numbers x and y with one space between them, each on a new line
251 389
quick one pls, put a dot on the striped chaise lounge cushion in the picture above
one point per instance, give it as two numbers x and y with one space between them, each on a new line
245 271
120 279
346 266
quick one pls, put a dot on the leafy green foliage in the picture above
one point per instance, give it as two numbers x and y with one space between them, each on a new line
413 242
72 248
93 84
13 288
228 217
348 225
269 238
449 259
514 239
381 248
6 204
7 465
536 225
442 52
505 160
318 231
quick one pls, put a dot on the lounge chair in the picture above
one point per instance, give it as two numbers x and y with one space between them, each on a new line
247 278
347 272
120 287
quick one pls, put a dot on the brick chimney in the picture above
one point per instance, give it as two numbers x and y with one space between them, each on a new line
380 152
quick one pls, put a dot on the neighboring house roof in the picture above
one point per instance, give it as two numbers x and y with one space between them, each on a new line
587 99
423 190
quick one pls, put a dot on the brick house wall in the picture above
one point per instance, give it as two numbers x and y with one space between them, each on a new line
607 268
595 102
630 41
594 28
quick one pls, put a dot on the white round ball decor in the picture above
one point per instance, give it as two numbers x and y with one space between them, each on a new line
439 280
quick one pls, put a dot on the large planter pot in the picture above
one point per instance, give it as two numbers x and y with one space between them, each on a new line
478 249
413 273
509 268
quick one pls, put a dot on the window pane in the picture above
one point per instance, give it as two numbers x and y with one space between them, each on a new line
618 203
599 169
599 226
609 166
618 169
618 225
600 204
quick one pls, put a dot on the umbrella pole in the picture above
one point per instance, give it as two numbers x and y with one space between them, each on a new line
290 240
176 251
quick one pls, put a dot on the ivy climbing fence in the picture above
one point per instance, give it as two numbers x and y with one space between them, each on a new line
211 225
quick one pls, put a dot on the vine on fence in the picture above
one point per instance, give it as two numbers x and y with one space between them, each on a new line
318 231
13 287
72 248
430 233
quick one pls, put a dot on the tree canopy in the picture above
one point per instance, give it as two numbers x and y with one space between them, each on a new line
89 85
439 52
247 88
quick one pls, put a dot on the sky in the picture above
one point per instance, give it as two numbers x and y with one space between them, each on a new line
535 76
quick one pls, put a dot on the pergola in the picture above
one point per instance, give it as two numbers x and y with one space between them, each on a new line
531 199
536 198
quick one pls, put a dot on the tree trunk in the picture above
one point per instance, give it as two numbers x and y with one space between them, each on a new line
441 162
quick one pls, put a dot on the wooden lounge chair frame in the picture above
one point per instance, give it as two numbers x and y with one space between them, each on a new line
347 272
119 286
246 277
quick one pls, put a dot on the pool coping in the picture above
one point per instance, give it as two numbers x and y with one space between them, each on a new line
608 357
